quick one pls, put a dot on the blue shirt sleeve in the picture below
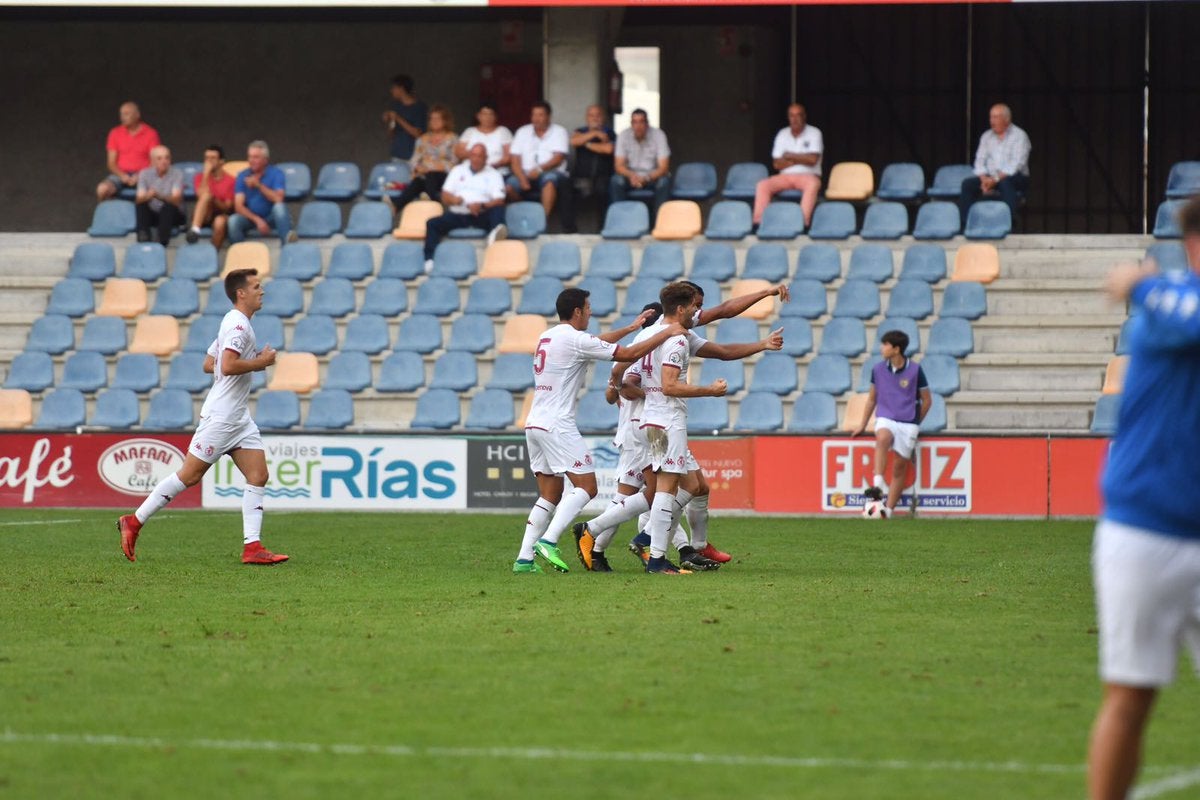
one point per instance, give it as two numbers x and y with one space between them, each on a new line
273 178
239 184
1170 310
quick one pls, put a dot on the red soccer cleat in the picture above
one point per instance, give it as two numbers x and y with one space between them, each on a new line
255 553
129 528
716 555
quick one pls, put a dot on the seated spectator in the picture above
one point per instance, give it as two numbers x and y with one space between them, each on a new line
539 165
1001 163
129 145
159 203
488 132
594 143
405 118
432 159
797 155
642 160
214 197
474 196
258 197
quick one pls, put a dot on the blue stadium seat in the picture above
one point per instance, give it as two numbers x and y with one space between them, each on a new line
104 335
737 330
828 373
808 301
707 414
349 371
402 260
924 262
601 372
714 260
775 372
137 372
603 295
333 297
813 412
819 262
491 409
941 371
387 297
369 220
277 410
858 299
843 336
297 180
383 175
268 331
662 260
612 260
146 261
31 371
455 370
315 334
187 372
472 333
72 297
116 409
937 220
767 261
176 297
964 299
870 262
1170 256
319 219
189 170
170 409
1183 180
196 262
711 291
760 412
437 409
421 333
62 409
525 220
951 336
402 371
1166 221
694 180
885 221
330 409
947 181
438 296
283 297
639 293
741 179
467 233
988 219
338 180
626 219
1104 417
52 334
595 415
454 260
539 296
202 331
93 261
618 323
1122 345
901 181
352 261
512 372
781 220
729 219
558 260
113 218
492 296
734 373
299 261
85 370
366 333
797 336
905 325
864 373
833 220
935 420
910 298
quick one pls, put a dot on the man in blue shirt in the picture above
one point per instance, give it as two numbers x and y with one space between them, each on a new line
258 197
405 118
1146 552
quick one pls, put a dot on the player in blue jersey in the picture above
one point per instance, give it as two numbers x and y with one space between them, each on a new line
1146 552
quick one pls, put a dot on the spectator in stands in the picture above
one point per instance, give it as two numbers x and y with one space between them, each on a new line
594 144
1001 163
214 197
642 160
129 145
796 153
258 197
432 159
159 197
492 135
539 165
405 118
474 196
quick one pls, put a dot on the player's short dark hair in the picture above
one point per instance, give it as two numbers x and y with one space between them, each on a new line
543 104
897 339
676 294
220 151
569 300
405 82
1189 217
657 309
235 280
699 289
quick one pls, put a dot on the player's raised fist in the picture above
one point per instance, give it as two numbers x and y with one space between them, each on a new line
718 387
267 356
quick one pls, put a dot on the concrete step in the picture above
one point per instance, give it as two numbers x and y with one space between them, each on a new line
1066 340
1027 379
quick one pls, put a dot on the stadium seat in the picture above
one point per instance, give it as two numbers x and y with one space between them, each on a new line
512 372
521 333
330 409
856 409
299 261
402 371
905 325
763 308
1170 256
218 304
741 179
235 168
297 180
491 409
951 336
383 175
947 181
813 412
455 370
558 260
870 262
1166 221
455 260
366 333
781 221
316 334
858 299
966 299
766 261
711 369
924 262
278 410
472 333
202 331
507 259
910 298
352 261
612 260
53 334
16 409
603 295
187 372
729 219
1183 180
736 330
268 331
710 289
976 262
71 297
85 370
370 219
714 260
175 297
707 415
295 372
113 218
641 292
850 180
808 300
339 180
935 420
170 409
403 261
626 219
525 220
760 412
885 220
988 219
146 261
941 371
539 296
1104 417
901 181
937 220
319 219
694 180
137 372
349 371
283 297
62 409
189 170
31 371
196 262
843 336
662 260
105 335
387 297
116 409
413 219
248 255
1122 345
437 409
678 219
438 296
491 296
797 336
775 373
93 261
123 297
334 297
1114 375
864 372
421 333
819 262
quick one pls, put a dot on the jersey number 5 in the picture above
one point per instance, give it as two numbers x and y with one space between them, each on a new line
539 358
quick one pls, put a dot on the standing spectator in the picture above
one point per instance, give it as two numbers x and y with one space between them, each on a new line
474 194
797 155
214 197
492 135
642 161
159 197
129 145
594 143
432 159
1001 163
258 197
405 118
539 165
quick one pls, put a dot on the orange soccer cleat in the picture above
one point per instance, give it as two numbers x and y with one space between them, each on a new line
129 528
255 553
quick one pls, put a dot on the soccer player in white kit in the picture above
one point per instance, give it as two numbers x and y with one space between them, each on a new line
225 425
555 446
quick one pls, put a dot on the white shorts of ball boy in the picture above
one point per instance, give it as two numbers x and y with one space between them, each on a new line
214 438
904 435
557 452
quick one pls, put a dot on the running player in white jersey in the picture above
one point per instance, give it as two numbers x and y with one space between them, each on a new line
555 446
225 425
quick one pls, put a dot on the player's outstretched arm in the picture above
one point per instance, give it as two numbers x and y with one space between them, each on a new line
673 387
732 352
736 305
635 351
617 334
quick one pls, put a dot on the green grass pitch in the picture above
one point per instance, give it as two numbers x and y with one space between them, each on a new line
396 655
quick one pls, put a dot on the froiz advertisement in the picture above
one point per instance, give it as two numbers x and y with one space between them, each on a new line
351 473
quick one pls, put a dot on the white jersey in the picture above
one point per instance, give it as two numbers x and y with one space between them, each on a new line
227 400
559 366
675 353
629 414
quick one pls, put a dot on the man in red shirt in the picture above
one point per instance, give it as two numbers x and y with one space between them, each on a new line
129 145
214 197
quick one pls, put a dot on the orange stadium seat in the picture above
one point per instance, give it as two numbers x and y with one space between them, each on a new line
156 334
677 219
414 217
521 332
856 405
123 297
1114 375
976 262
850 180
763 308
234 167
248 255
296 372
16 409
508 259
525 406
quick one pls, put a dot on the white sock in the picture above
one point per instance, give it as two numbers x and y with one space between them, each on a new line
662 515
602 536
682 496
644 520
697 518
568 509
164 493
880 482
539 518
624 510
252 513
195 229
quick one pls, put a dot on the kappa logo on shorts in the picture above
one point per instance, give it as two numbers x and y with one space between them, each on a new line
579 463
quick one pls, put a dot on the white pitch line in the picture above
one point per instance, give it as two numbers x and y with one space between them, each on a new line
1168 785
42 522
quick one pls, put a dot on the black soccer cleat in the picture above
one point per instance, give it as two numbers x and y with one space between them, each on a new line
874 493
690 558
599 562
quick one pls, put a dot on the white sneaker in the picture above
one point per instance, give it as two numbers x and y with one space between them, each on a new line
497 233
428 266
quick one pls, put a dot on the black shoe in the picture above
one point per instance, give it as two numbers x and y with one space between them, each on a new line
143 236
690 558
874 493
191 236
599 562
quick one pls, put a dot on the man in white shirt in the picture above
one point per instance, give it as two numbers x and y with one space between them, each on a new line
551 434
474 198
642 160
796 153
539 165
225 425
1001 163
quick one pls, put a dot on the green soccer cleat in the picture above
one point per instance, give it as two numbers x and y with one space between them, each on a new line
525 566
550 552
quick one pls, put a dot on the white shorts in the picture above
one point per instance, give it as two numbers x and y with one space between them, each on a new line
668 449
557 452
215 438
635 457
1147 601
904 435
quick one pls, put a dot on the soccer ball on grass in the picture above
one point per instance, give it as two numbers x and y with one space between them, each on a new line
875 509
